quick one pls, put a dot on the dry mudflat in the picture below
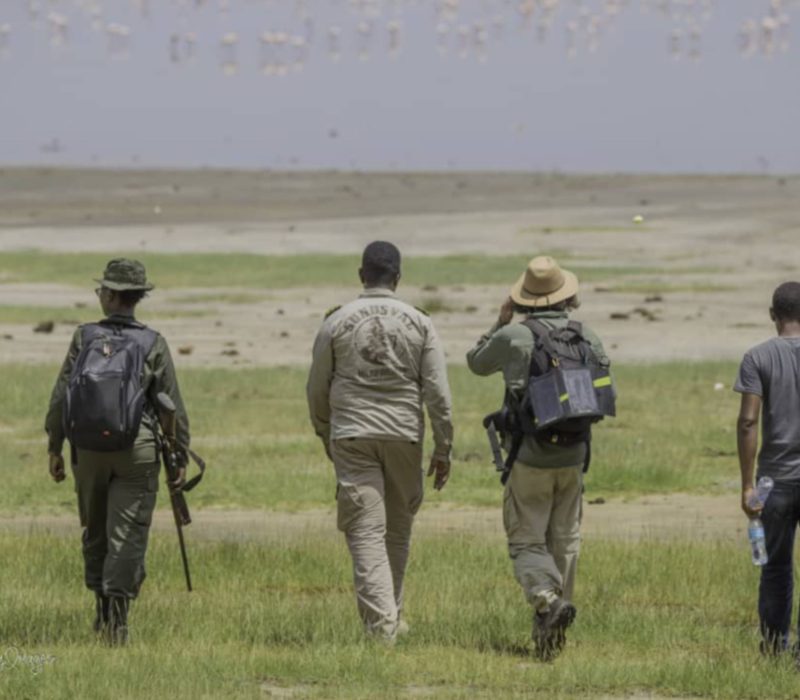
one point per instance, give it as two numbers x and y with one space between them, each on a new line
708 254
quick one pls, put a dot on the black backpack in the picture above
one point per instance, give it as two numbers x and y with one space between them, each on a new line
105 400
568 388
567 391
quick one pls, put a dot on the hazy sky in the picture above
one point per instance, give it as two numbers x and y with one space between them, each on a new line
630 106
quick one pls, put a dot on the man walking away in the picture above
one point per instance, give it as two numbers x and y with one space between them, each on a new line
104 403
769 382
376 361
543 493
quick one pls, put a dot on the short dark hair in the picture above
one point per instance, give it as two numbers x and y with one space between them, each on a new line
131 297
786 301
380 263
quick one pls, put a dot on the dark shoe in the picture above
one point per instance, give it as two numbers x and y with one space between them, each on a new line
549 629
773 644
539 637
101 604
118 622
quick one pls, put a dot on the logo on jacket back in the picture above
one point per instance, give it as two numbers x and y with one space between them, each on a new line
376 343
381 342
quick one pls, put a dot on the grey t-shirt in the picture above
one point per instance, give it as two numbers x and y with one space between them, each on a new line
772 371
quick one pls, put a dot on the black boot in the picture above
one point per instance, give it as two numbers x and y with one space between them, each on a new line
101 612
118 621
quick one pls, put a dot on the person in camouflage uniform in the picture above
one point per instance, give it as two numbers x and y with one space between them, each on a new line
117 490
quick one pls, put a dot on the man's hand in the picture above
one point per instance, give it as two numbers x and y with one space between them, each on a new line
440 467
506 312
749 496
57 468
179 480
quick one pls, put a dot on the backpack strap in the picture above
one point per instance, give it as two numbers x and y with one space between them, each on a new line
541 337
145 337
88 331
541 333
586 348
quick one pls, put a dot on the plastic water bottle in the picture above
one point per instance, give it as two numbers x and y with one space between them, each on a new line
761 494
755 530
758 544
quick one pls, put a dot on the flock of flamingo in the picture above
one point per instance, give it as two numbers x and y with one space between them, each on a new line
292 32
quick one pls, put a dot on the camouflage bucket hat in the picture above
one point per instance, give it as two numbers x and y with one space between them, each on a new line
123 275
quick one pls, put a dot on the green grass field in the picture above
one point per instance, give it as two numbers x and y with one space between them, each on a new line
674 433
169 271
279 619
276 618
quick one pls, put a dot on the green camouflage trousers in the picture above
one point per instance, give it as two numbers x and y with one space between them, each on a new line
116 498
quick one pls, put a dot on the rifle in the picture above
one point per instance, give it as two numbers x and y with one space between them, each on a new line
502 422
167 423
494 442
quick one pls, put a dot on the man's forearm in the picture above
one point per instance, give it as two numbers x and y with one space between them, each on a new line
322 427
53 426
747 443
320 415
442 439
479 357
55 445
325 437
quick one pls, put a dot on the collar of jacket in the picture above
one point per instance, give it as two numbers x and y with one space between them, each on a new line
124 319
377 292
548 314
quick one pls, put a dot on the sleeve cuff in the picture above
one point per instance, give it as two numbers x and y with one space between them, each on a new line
442 452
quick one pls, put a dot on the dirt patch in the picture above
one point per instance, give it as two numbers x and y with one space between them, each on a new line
272 689
279 329
673 516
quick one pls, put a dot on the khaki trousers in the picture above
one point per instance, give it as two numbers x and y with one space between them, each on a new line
379 490
542 515
116 498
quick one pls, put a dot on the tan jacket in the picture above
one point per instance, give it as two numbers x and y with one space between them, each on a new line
376 361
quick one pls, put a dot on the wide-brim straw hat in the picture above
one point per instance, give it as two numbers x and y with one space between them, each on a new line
544 283
124 275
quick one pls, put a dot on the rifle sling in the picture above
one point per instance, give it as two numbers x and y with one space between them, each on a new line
201 464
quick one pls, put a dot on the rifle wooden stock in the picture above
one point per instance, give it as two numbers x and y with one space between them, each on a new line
180 508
